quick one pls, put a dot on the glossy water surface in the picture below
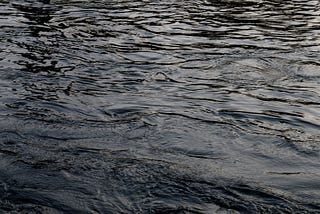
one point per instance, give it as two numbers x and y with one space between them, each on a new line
193 106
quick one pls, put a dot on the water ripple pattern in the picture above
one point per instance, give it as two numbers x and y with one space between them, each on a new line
117 106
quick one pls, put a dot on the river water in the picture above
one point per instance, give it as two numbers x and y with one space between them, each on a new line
173 106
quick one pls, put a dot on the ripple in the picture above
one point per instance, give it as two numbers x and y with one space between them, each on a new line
147 106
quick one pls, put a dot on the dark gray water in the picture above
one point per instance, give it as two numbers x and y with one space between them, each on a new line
118 106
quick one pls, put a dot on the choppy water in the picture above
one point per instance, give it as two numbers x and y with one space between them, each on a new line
118 106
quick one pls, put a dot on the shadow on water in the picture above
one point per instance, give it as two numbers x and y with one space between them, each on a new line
39 54
39 12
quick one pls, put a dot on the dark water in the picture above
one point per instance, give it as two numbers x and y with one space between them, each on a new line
118 106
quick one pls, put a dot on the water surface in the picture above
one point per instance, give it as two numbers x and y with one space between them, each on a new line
152 106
